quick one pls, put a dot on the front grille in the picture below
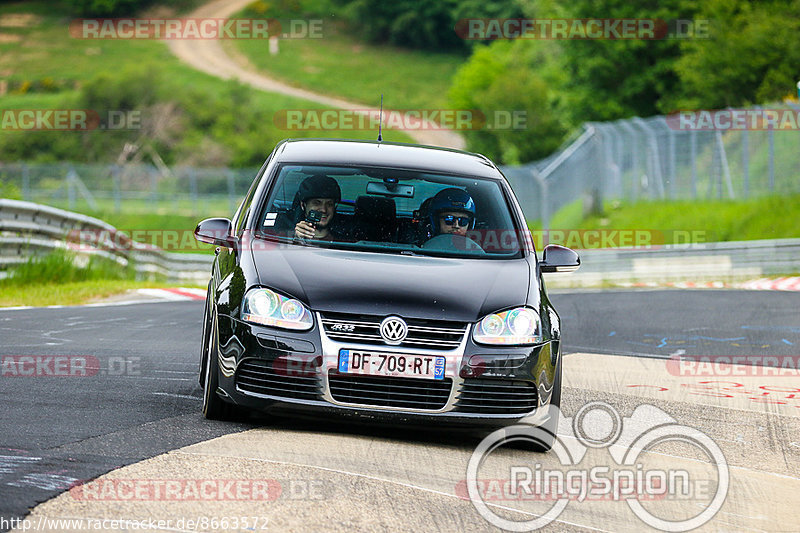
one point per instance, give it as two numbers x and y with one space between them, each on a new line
407 393
496 396
433 334
257 376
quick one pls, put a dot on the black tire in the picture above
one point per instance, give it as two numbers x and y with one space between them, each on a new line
214 407
201 367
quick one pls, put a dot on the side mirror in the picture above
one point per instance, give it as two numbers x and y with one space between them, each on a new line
557 258
215 231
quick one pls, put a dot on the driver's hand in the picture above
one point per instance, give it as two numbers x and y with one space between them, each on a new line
304 230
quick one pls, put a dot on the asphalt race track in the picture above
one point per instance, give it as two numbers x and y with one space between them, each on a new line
133 399
141 401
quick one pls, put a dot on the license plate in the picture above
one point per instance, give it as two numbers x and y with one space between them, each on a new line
391 364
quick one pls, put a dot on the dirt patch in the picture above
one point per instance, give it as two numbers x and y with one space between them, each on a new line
19 20
9 38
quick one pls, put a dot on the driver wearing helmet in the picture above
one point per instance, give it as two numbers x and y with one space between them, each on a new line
319 194
452 211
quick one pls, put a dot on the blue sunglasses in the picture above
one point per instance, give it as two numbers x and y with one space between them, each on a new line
449 220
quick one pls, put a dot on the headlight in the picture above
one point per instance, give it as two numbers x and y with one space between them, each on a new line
263 306
515 326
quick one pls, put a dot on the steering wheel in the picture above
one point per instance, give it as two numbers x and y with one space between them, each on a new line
452 241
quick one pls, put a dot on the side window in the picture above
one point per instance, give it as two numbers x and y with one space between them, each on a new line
244 209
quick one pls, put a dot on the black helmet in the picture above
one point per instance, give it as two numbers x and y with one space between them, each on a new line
319 186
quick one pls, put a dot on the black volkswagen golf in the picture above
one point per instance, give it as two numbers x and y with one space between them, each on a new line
380 281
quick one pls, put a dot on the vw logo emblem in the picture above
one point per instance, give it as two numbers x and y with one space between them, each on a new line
394 330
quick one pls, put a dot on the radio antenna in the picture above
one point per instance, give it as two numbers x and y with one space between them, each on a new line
380 120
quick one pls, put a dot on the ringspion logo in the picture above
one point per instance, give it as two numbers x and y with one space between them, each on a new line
625 475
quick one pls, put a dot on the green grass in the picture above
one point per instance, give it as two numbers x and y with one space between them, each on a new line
170 232
149 221
340 65
166 206
61 278
773 217
60 267
73 293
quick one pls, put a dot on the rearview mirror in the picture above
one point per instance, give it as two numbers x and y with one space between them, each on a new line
390 189
557 258
215 231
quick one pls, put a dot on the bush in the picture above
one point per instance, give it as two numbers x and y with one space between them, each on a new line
9 190
106 8
420 23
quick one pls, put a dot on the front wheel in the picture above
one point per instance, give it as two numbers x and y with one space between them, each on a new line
214 407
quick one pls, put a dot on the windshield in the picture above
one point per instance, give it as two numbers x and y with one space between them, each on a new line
390 211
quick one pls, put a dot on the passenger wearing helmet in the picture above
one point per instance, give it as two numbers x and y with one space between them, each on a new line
452 211
318 193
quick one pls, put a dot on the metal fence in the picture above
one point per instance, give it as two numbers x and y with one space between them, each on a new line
130 188
655 159
633 159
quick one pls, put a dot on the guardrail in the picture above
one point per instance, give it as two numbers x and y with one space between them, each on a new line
28 229
721 261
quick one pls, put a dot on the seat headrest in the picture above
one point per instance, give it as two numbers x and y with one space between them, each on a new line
376 208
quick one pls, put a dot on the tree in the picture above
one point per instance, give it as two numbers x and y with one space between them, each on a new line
424 24
608 79
563 83
499 80
751 57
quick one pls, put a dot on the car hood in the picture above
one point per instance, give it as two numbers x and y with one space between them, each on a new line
382 284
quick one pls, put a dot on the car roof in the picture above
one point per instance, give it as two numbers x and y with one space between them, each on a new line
385 154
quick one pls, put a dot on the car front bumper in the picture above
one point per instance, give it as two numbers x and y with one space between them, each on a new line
291 373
